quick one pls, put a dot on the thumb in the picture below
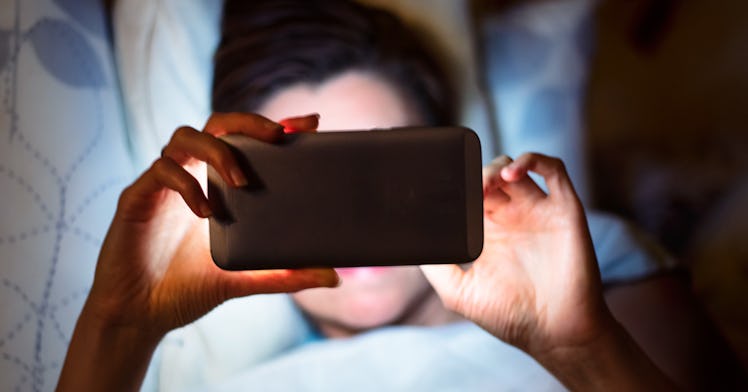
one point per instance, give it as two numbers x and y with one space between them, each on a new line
243 283
308 123
447 280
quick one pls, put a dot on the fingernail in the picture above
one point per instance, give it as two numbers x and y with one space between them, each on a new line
314 115
505 172
205 210
238 178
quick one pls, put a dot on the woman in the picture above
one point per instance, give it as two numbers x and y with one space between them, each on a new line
536 286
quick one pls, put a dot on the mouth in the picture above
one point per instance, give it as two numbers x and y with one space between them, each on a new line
362 272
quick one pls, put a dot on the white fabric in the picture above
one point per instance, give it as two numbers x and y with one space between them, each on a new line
537 54
456 357
237 335
164 50
63 162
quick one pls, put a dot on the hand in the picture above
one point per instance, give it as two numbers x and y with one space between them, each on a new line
155 270
536 285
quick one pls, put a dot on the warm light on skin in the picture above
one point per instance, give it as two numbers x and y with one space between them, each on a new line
367 298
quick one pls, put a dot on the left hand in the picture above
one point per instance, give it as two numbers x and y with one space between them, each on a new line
155 271
537 284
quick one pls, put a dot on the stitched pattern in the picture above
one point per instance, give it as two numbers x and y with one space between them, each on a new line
56 200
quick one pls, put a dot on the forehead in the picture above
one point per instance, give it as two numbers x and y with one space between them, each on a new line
352 100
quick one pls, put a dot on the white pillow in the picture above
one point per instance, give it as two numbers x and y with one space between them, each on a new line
164 50
63 163
536 59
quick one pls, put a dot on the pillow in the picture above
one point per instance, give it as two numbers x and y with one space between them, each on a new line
63 163
536 56
164 49
164 52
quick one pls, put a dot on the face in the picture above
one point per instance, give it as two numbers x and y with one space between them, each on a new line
369 296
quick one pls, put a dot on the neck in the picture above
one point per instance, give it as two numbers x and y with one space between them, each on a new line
425 310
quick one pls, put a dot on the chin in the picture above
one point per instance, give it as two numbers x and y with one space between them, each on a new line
370 310
368 298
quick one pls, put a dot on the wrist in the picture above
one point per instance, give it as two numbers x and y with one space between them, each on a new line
610 360
108 323
111 313
106 355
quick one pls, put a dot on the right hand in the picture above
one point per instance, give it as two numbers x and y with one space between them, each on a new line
155 270
536 285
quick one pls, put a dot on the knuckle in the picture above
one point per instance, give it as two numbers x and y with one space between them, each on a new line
215 116
125 196
219 117
159 165
558 165
182 132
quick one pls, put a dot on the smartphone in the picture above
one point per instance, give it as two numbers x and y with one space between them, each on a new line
381 197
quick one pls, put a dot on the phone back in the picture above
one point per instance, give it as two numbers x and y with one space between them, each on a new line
345 199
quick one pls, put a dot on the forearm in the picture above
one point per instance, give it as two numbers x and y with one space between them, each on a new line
106 357
612 362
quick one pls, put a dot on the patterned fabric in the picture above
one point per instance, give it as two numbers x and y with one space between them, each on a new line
63 163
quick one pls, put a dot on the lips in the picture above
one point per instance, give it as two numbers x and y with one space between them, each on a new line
361 272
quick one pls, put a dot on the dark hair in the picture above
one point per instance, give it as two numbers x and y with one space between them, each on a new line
267 45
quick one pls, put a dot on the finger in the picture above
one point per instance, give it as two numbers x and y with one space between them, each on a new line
494 201
308 123
243 283
492 169
137 201
188 143
523 188
249 124
447 281
520 187
551 169
493 195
